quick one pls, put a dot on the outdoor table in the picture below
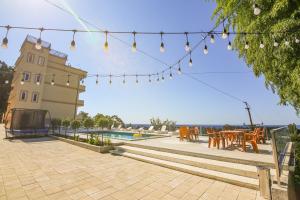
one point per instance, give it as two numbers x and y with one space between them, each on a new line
239 133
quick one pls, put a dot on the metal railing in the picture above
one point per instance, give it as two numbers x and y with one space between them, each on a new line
280 143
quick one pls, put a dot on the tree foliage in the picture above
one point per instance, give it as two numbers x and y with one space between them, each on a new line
88 123
279 65
157 124
6 74
106 121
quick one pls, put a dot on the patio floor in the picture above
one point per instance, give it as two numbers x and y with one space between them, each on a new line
201 147
43 168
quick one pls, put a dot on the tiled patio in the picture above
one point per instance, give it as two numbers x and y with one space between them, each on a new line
50 169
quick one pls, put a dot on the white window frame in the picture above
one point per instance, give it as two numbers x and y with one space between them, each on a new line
41 60
30 57
27 76
21 94
37 97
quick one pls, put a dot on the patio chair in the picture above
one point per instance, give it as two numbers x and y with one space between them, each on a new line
163 129
119 127
150 129
184 133
129 128
141 129
261 136
213 137
251 138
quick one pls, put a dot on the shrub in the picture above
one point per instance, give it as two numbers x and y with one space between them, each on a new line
66 124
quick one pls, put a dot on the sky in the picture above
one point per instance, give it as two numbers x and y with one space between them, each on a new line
181 99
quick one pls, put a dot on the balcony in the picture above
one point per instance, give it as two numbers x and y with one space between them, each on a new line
80 103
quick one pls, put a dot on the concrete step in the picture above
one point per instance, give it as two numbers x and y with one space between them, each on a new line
203 155
242 181
215 165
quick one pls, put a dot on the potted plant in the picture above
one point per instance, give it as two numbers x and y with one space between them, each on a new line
75 125
66 124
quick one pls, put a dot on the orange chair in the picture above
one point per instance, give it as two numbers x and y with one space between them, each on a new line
213 137
252 139
261 136
184 133
196 133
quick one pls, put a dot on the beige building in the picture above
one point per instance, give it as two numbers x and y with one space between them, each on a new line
42 80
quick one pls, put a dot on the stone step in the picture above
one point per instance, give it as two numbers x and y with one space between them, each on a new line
216 175
203 155
215 165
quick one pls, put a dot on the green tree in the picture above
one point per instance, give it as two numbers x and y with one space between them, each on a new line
66 124
75 125
6 76
82 116
279 65
88 123
56 123
103 122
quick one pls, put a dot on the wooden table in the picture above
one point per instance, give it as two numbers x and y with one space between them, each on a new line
239 133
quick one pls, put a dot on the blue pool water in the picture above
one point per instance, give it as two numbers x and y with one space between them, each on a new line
123 135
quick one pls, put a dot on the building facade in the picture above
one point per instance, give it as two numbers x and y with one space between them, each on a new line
43 80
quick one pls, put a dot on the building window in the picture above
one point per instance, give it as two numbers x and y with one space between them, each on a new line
30 58
26 76
38 79
35 97
23 95
41 60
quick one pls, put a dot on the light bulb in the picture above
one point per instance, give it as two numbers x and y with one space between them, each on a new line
286 42
162 47
297 40
4 44
205 50
38 44
229 47
124 81
187 46
6 82
38 82
224 34
133 49
275 44
105 47
261 45
212 39
68 83
171 75
256 9
149 80
163 78
97 82
247 45
52 82
22 82
73 45
179 71
190 62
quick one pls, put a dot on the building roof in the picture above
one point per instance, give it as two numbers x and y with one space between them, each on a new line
47 45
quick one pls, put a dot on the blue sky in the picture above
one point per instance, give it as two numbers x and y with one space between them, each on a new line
181 99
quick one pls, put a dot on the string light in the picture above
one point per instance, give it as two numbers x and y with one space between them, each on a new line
187 44
124 79
286 42
179 69
261 45
136 79
4 43
246 45
162 45
6 81
73 43
52 81
229 46
205 50
106 42
212 38
134 43
157 78
110 81
149 78
68 81
38 79
162 77
38 44
224 33
190 61
23 79
275 44
97 79
171 75
256 9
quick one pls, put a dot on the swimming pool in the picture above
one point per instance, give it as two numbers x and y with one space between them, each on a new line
126 135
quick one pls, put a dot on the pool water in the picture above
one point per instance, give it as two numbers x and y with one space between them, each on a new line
125 135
